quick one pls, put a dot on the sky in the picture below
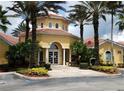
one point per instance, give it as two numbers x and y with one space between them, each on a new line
104 26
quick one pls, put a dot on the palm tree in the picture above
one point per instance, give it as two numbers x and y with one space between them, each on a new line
21 28
21 10
112 9
79 14
3 20
97 9
40 8
120 23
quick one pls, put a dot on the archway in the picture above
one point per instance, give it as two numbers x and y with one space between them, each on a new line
54 53
108 56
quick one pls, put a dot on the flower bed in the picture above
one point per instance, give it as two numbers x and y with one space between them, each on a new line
33 72
106 69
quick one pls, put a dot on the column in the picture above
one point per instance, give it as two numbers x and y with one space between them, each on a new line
63 56
38 57
69 55
47 55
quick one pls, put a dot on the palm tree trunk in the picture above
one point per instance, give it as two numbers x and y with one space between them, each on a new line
33 20
112 57
27 29
96 36
81 31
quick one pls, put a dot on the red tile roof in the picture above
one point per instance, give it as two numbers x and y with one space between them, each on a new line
48 31
8 38
90 42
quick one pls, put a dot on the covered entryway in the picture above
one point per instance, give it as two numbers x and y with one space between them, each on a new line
54 53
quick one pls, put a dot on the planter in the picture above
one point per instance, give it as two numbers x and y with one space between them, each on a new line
83 65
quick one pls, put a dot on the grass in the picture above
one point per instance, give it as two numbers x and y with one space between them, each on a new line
3 49
106 69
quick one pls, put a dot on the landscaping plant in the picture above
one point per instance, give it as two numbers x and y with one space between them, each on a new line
19 55
81 53
38 71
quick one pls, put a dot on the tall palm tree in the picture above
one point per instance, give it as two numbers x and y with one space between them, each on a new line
97 9
120 23
3 20
112 9
21 28
21 10
40 8
79 14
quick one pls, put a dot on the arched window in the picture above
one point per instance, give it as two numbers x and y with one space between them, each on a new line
57 25
53 46
50 25
41 25
108 56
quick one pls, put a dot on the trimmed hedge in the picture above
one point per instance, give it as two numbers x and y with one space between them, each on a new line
106 69
121 65
33 71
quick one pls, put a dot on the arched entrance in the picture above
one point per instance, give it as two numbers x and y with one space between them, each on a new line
54 53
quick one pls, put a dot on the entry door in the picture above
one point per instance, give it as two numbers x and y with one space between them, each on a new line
53 57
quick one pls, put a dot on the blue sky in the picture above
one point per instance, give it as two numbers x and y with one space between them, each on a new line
104 27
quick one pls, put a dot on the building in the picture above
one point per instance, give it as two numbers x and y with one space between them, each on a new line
5 41
54 39
105 50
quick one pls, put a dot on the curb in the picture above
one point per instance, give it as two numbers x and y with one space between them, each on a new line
44 78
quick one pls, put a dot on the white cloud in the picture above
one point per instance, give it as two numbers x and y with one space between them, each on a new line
116 37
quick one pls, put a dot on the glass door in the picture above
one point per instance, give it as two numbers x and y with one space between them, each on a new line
53 57
56 57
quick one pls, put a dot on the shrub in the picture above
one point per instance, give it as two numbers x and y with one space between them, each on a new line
110 64
106 69
38 71
80 52
19 54
33 71
121 65
47 66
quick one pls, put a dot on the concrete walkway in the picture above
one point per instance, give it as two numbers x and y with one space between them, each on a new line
60 71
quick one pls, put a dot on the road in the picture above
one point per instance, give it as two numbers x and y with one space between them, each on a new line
102 83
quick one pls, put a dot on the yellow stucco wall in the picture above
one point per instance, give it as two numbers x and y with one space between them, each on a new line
47 20
63 42
46 40
118 57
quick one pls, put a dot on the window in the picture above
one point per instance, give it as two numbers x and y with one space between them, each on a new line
63 27
119 52
50 25
41 25
53 46
57 25
108 56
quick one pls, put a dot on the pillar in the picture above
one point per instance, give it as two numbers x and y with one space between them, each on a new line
63 56
69 55
47 55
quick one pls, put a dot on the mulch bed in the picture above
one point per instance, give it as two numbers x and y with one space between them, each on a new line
34 75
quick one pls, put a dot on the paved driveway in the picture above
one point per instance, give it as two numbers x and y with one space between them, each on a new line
86 83
59 71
